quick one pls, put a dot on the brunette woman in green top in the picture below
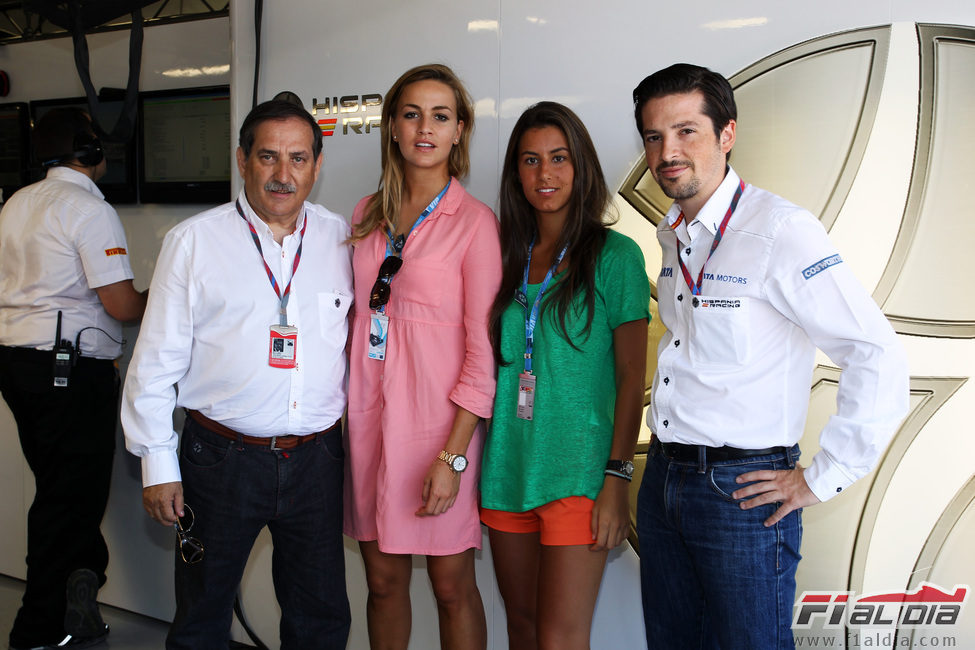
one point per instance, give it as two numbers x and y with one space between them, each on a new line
569 329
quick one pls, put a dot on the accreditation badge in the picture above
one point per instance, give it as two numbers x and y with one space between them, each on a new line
526 395
378 335
283 346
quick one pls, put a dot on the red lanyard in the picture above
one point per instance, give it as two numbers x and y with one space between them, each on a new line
696 288
283 297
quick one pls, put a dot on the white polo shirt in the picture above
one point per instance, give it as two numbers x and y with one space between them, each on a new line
735 364
206 331
60 240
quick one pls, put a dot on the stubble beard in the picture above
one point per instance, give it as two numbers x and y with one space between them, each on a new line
678 190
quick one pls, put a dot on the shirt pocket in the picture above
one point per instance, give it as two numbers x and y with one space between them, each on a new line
719 331
420 282
333 307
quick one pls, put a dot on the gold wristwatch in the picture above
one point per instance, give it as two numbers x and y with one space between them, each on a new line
456 462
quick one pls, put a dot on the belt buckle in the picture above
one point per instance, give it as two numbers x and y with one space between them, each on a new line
274 444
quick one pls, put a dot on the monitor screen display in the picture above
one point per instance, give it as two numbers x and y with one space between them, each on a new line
185 145
14 147
119 182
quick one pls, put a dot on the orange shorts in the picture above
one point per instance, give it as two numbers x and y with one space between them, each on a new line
563 522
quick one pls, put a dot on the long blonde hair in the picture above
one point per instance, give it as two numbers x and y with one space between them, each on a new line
384 204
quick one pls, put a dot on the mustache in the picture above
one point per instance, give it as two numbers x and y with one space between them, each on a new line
274 186
674 163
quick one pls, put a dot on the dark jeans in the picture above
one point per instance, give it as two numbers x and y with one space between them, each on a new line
235 490
68 439
712 575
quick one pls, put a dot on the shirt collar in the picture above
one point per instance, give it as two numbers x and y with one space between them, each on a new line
450 201
713 211
69 175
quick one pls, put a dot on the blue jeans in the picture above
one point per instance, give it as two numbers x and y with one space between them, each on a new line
712 575
235 490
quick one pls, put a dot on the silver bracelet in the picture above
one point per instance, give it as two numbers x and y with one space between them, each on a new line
612 472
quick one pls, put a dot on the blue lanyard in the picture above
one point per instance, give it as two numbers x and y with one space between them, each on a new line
531 317
394 247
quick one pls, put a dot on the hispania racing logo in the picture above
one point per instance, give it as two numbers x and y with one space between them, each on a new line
929 604
718 303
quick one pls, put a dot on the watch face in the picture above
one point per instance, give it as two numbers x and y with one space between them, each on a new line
628 468
459 464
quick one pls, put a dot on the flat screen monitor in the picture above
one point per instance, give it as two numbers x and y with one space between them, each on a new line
119 182
14 147
185 145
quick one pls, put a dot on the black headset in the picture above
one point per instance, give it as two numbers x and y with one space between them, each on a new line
87 150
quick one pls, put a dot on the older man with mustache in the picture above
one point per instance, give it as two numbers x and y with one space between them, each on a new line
246 329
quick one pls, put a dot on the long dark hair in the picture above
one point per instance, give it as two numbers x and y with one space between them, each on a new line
585 227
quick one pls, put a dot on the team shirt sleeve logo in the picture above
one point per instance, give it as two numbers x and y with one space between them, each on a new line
821 266
115 251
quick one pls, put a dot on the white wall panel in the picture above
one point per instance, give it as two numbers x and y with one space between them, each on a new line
590 57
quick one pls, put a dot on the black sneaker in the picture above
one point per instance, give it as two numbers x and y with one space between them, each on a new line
70 641
83 622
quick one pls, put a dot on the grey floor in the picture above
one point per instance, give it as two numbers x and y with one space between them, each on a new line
128 631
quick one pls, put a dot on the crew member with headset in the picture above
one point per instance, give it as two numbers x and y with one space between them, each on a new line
65 283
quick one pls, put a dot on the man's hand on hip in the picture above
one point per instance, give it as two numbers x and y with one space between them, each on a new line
787 487
164 502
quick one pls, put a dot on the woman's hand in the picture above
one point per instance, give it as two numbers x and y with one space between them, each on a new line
440 487
611 514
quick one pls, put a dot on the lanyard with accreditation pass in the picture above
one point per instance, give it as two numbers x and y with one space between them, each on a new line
526 380
696 287
378 320
284 338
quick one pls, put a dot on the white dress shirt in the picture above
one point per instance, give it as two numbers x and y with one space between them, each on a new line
59 241
736 368
206 331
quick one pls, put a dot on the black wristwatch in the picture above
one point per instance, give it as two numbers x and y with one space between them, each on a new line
620 468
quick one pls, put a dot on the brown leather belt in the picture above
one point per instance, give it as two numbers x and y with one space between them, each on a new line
273 442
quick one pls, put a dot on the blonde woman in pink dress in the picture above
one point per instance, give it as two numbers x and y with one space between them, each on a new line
427 266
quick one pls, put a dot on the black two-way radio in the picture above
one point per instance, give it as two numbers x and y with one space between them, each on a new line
64 358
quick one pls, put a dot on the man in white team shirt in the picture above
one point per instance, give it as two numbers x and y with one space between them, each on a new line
750 286
247 319
63 252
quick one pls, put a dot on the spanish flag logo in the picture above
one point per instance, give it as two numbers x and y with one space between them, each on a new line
328 126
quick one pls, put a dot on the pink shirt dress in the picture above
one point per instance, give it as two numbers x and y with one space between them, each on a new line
438 357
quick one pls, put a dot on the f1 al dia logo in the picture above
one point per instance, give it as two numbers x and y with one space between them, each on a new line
929 604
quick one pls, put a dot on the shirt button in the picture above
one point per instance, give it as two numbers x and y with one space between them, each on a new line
294 405
677 343
666 380
687 250
666 423
680 297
